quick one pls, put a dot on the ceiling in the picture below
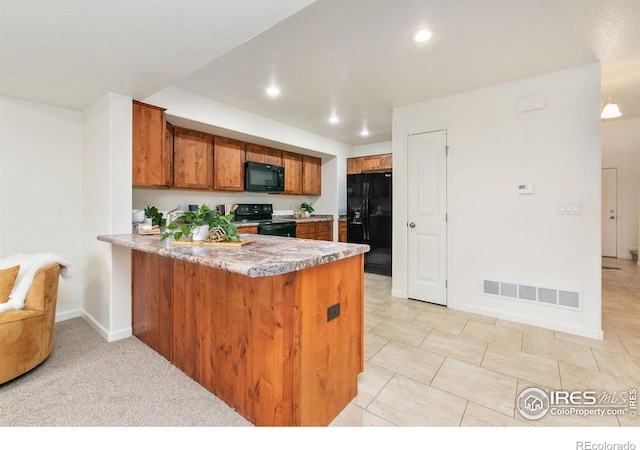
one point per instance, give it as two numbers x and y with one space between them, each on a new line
352 58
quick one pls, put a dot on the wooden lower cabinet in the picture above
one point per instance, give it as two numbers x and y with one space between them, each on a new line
250 229
342 231
151 310
306 230
262 345
322 231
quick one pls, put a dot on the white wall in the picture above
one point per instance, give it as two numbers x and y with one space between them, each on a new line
621 150
210 116
492 231
379 148
107 210
41 189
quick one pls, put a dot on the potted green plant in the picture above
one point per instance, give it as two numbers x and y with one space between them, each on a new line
202 224
308 209
155 216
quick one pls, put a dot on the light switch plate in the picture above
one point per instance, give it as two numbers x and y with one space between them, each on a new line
569 207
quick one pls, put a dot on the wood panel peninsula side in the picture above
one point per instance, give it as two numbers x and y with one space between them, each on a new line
274 328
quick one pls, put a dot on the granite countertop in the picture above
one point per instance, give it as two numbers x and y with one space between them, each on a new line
268 256
312 218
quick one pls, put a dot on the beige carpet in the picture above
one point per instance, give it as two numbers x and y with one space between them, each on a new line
89 382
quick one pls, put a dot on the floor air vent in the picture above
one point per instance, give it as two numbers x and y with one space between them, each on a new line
545 295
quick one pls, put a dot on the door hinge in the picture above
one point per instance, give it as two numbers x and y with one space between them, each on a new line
446 150
446 284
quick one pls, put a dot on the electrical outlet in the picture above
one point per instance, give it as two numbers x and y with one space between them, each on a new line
333 312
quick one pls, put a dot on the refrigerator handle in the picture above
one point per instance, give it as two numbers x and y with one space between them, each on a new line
365 212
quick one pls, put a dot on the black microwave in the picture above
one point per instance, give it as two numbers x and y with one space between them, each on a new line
259 177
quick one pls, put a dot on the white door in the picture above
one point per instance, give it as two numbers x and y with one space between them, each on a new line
609 213
426 217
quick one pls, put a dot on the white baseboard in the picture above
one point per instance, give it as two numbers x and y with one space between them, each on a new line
564 328
61 317
105 334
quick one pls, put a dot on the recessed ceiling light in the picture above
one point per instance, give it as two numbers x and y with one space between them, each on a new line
273 91
422 35
364 132
334 119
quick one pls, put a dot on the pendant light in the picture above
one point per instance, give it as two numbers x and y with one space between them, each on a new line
610 109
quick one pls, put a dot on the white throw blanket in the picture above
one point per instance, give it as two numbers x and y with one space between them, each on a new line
29 265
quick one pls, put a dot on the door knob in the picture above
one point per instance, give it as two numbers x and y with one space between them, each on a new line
412 225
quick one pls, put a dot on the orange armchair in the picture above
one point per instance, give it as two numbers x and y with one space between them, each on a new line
26 335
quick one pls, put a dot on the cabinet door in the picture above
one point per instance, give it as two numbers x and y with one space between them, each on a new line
193 159
151 300
311 175
228 164
248 230
353 165
324 231
292 163
152 160
386 161
306 230
266 155
342 231
369 163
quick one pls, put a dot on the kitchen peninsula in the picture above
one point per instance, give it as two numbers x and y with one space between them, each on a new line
273 328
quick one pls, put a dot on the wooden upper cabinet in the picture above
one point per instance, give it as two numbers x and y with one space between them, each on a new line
311 175
193 159
353 166
152 160
292 163
260 154
371 163
386 161
228 164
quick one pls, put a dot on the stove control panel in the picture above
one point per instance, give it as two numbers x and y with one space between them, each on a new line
256 211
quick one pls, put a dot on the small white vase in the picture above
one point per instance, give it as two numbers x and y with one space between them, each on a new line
307 213
199 233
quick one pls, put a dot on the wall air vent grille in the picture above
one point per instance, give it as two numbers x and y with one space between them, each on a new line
565 298
509 290
491 287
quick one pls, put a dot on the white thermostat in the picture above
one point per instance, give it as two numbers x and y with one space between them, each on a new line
525 188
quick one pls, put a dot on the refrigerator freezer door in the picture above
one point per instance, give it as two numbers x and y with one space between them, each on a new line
355 209
378 222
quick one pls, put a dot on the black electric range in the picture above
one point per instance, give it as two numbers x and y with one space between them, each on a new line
262 214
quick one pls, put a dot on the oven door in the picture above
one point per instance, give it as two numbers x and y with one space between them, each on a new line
286 229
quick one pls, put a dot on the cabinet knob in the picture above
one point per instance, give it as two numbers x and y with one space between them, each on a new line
412 225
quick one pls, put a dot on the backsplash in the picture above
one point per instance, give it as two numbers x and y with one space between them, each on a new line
165 199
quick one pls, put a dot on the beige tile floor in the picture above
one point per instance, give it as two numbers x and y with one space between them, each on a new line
427 365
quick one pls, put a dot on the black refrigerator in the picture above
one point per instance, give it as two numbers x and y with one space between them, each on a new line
369 218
